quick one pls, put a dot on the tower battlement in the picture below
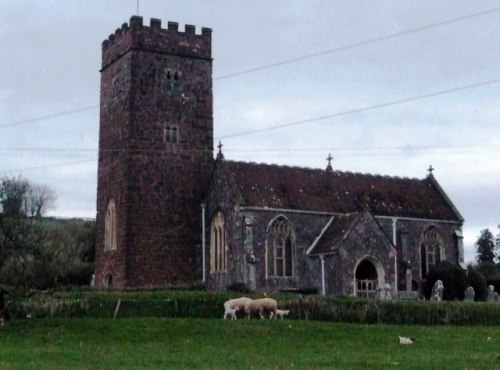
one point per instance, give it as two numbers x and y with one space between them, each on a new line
170 40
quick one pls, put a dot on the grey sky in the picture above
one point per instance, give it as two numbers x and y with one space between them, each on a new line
51 53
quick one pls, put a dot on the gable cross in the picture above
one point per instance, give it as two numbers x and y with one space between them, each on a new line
430 169
329 159
220 147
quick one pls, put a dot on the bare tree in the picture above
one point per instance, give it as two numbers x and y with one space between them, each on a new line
40 199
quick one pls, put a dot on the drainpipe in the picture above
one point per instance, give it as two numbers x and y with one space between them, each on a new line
203 242
394 241
322 258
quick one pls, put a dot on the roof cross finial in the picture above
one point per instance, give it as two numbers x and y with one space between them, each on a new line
220 155
329 159
430 169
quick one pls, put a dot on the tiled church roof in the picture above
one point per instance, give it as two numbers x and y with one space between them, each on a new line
274 186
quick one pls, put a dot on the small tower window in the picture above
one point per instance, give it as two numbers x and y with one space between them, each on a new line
173 81
171 134
110 227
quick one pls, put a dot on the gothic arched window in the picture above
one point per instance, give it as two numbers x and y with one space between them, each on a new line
110 226
218 247
173 80
171 134
280 248
431 250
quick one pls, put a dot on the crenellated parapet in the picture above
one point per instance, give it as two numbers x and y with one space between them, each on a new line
170 40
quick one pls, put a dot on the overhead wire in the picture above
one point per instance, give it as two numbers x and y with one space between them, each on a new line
362 109
357 44
283 62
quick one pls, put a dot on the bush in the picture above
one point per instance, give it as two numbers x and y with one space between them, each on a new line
453 277
238 287
478 282
487 269
198 304
495 281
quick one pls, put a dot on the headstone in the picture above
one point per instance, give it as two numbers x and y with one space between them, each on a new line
469 294
492 295
409 279
437 291
92 281
387 292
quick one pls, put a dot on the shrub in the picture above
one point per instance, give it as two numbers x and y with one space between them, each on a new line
238 287
487 269
453 277
495 281
478 282
199 304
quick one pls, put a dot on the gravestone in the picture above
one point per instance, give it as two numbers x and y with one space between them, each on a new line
437 291
387 292
492 295
469 294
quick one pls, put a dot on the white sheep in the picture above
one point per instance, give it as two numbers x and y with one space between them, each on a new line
231 312
405 340
279 313
262 305
237 302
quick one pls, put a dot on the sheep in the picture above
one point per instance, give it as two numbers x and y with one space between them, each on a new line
236 302
228 311
279 313
406 340
261 305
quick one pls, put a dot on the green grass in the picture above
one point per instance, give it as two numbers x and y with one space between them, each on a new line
155 343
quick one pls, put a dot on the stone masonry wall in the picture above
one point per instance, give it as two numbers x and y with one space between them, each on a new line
158 181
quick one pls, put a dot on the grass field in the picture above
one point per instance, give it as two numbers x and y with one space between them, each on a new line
150 343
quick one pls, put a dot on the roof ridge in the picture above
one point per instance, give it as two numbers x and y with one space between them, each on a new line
320 170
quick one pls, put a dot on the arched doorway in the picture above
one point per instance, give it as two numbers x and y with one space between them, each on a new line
369 277
109 281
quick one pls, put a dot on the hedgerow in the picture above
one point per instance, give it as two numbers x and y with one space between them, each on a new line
201 304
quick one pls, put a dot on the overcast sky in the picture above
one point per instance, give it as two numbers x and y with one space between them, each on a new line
51 55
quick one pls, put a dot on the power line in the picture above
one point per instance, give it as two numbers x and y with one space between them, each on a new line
336 149
60 114
378 152
357 44
363 109
288 61
50 166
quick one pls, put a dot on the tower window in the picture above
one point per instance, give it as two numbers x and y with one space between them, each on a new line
110 227
171 134
173 81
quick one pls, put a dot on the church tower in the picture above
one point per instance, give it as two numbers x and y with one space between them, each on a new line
155 154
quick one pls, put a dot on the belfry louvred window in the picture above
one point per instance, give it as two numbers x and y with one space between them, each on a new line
171 134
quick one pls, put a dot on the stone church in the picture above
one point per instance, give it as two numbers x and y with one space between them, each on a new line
171 213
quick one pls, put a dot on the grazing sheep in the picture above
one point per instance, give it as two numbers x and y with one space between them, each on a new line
263 305
231 312
237 302
279 313
406 340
